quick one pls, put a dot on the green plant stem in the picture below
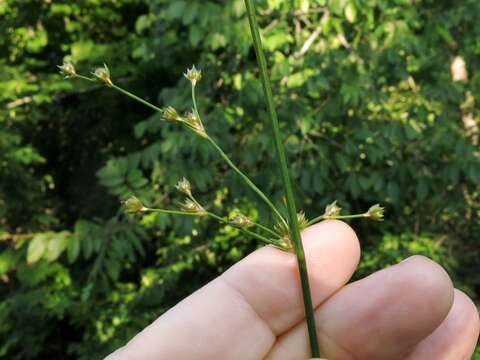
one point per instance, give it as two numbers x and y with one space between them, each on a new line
194 101
135 97
191 197
251 233
339 217
245 178
85 77
234 167
280 151
174 212
263 227
245 231
123 91
216 217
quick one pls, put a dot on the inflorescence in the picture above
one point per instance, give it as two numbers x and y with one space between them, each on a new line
278 236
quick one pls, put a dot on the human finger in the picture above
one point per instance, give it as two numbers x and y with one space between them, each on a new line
383 316
457 335
239 314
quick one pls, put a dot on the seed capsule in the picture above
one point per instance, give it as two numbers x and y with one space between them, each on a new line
192 119
332 210
133 205
184 187
103 75
193 74
241 221
171 115
375 212
67 69
190 206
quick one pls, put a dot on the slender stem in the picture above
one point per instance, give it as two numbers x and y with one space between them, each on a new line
125 92
246 178
194 101
135 97
263 227
84 77
339 217
219 218
234 167
216 217
226 221
245 231
280 151
191 197
174 212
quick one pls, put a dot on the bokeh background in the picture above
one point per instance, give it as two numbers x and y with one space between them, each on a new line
378 101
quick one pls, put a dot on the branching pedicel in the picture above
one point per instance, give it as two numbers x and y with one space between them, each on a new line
283 233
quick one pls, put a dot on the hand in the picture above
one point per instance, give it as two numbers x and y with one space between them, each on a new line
255 310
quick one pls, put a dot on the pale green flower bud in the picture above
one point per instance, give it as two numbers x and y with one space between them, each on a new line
375 212
133 205
194 122
332 210
241 221
283 229
302 220
171 115
184 187
193 75
103 74
191 206
67 69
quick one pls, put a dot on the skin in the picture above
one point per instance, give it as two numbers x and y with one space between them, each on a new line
255 310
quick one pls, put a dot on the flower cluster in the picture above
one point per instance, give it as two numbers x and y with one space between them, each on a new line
133 205
103 75
280 234
192 207
375 212
67 69
332 210
241 221
194 75
190 119
184 187
195 123
170 114
283 229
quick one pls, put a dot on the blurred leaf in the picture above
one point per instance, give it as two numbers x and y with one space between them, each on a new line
73 248
37 247
56 245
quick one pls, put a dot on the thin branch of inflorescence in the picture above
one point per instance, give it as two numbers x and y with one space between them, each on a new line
339 217
264 228
332 212
193 208
276 242
135 97
249 182
246 179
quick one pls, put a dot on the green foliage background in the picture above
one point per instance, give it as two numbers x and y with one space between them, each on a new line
369 113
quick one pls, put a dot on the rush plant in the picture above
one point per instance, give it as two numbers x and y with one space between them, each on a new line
284 232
